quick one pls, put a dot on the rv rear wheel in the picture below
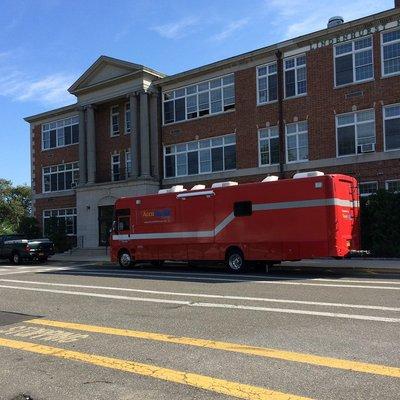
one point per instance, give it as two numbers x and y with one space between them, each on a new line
235 261
125 259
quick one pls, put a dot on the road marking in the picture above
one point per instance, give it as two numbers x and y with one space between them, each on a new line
215 385
210 305
48 335
198 278
330 362
206 295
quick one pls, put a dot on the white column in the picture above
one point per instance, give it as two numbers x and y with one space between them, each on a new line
82 147
91 145
154 137
144 136
134 135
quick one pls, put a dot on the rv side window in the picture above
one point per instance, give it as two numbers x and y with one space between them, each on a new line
123 219
242 209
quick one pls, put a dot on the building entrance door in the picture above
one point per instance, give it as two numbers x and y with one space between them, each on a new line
106 214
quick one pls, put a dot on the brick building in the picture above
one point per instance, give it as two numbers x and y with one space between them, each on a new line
328 101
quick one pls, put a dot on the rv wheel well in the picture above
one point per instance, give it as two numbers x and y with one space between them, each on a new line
123 250
232 249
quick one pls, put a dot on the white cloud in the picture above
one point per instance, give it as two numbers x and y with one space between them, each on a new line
177 29
231 28
301 17
50 90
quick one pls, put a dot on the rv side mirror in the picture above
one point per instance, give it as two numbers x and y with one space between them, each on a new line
114 227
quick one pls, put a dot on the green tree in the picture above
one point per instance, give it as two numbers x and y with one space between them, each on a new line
15 204
28 226
56 232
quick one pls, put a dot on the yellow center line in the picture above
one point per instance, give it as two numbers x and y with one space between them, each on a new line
221 386
330 362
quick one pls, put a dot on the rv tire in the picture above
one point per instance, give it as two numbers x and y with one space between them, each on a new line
125 259
235 261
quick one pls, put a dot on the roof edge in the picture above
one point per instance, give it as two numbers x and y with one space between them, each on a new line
280 45
50 113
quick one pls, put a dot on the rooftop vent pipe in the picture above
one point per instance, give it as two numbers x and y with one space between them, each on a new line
335 21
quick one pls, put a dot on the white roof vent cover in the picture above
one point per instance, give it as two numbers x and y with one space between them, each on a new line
310 174
177 188
223 184
198 187
271 178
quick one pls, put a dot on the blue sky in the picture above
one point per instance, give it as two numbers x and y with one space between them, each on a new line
46 44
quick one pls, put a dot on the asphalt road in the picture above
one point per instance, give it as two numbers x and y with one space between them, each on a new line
73 331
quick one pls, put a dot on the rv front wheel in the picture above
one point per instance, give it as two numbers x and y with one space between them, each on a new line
125 259
235 261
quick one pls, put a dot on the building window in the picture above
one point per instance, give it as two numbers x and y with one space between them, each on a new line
115 167
268 144
61 133
355 133
114 121
209 97
128 163
391 116
367 188
295 76
391 53
200 157
267 83
297 142
67 214
353 62
393 185
60 177
127 118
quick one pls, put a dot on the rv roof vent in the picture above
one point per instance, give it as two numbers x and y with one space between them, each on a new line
271 178
163 191
177 188
198 187
310 174
223 184
335 21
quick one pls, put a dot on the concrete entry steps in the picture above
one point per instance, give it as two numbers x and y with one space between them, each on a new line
87 254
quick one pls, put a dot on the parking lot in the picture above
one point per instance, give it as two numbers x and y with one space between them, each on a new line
86 330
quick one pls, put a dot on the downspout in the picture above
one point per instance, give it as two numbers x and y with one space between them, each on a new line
281 125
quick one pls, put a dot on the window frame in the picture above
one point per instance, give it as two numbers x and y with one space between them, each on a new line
383 75
390 181
196 93
295 68
259 103
353 52
199 148
128 173
297 142
119 167
74 216
260 164
114 114
72 117
384 125
355 124
127 110
366 183
64 170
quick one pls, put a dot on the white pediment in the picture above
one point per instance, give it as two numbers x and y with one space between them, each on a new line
105 73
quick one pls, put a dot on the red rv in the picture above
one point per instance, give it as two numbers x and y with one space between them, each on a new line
312 215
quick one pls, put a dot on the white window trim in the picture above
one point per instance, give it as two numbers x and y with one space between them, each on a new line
209 100
384 126
297 143
114 163
382 60
353 52
295 69
58 191
65 145
128 175
126 130
355 132
66 215
112 114
391 180
260 164
259 103
198 149
366 183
